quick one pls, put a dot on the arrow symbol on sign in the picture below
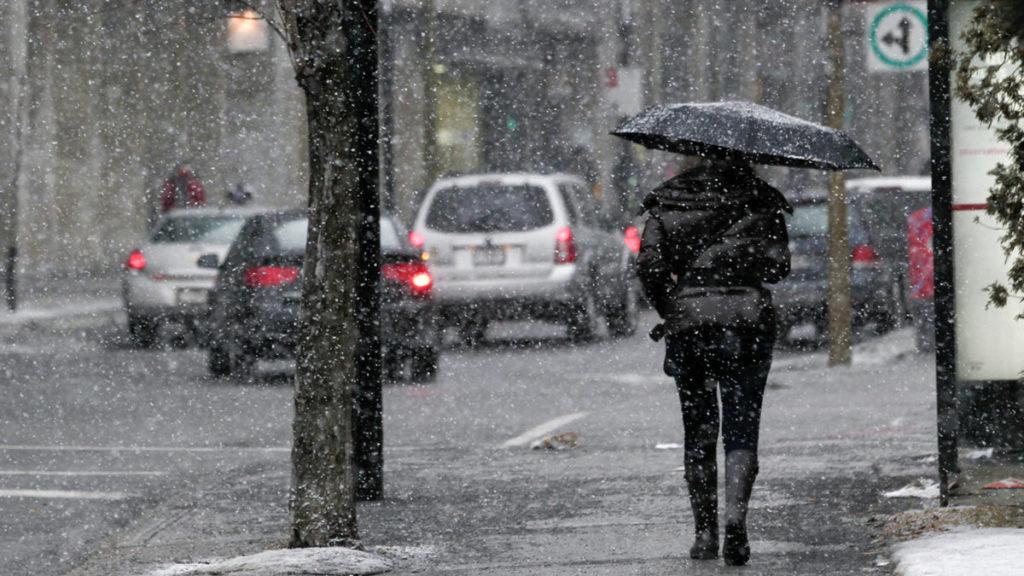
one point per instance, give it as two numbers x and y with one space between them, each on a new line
903 40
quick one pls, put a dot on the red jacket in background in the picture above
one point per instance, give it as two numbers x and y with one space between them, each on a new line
919 254
182 191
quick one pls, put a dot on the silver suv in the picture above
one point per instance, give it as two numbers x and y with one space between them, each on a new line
525 246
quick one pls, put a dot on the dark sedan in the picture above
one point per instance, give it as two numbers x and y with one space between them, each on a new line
876 278
255 305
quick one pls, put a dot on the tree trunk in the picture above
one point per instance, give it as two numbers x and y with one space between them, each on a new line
329 43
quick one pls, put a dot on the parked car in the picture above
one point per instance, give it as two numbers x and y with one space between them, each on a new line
525 246
162 281
897 211
255 306
876 284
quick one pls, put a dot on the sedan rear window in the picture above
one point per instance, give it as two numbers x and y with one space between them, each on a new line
200 229
291 235
489 208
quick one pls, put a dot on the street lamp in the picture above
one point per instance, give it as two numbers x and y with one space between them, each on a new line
247 32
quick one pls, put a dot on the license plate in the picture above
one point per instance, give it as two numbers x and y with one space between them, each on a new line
191 296
489 257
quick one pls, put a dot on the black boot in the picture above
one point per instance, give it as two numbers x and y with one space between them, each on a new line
740 471
702 481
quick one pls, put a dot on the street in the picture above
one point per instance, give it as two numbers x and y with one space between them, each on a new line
105 444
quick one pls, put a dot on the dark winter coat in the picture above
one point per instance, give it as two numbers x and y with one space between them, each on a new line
714 236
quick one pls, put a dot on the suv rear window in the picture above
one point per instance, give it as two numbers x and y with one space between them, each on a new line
489 208
291 235
811 219
208 229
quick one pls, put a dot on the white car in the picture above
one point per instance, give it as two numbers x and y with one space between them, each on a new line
525 246
163 281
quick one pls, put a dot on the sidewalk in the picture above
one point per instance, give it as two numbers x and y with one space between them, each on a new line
981 532
62 304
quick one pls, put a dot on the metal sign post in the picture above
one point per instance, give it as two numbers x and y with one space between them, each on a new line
942 215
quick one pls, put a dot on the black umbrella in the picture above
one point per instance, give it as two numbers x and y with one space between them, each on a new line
743 130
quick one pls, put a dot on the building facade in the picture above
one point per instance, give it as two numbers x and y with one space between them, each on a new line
99 100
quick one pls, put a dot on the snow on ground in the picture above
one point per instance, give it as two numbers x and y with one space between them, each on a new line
324 561
37 313
880 351
923 488
987 551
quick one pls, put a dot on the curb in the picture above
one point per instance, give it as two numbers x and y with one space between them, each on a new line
34 321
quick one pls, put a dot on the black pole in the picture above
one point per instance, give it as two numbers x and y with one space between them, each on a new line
387 116
942 240
11 275
368 427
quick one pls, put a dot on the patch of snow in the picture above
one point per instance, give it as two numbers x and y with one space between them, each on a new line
988 551
922 488
323 561
668 446
31 314
978 454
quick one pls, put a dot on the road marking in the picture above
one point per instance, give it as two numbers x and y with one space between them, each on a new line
537 432
77 473
64 494
38 448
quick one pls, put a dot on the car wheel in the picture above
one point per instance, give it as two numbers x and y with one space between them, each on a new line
892 317
623 318
142 331
218 362
473 331
582 325
424 365
392 366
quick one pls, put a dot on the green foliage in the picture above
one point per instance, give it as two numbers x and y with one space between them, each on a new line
990 78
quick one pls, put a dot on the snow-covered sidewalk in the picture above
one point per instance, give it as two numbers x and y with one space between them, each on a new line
963 550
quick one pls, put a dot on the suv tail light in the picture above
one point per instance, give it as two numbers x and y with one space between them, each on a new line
565 246
417 240
415 275
864 255
633 239
136 261
268 276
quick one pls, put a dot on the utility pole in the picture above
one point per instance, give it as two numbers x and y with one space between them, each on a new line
430 72
13 64
839 313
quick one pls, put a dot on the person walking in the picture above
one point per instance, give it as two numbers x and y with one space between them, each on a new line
714 236
182 189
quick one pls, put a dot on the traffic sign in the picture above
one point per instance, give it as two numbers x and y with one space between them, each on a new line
897 36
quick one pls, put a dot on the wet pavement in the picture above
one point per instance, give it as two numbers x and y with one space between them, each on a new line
114 460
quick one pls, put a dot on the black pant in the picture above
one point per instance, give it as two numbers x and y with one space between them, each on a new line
737 361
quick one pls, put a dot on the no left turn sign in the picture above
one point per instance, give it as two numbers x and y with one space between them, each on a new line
897 36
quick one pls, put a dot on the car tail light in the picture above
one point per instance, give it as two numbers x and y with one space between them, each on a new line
565 246
136 261
415 275
417 240
633 239
864 255
268 276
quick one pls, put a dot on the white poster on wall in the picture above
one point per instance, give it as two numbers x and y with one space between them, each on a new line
989 340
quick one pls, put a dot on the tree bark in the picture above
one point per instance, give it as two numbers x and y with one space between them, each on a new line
328 43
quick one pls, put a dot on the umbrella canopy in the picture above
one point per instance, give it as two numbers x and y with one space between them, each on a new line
743 130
